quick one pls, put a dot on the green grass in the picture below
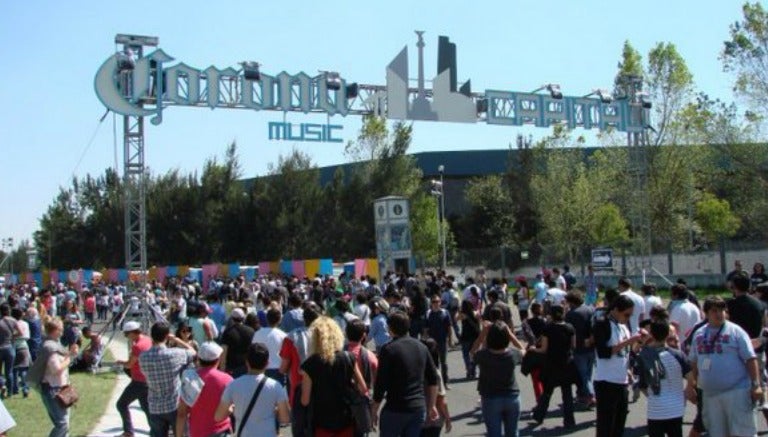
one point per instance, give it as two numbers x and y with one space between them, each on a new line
95 391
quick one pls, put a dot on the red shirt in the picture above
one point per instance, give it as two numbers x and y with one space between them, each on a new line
90 304
201 421
141 345
288 351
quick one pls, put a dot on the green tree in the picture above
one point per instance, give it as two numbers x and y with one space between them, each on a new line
716 218
491 216
630 65
670 86
745 55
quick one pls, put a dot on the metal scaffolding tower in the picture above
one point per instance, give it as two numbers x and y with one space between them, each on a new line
134 170
637 143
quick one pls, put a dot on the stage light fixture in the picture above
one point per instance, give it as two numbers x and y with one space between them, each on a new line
332 80
126 60
352 90
604 95
482 105
553 88
251 70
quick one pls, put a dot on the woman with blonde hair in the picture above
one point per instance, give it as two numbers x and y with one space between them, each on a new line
50 372
326 370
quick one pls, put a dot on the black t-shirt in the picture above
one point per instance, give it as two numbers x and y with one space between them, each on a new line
328 408
405 367
559 342
470 329
757 279
581 320
506 313
537 325
237 338
497 372
747 312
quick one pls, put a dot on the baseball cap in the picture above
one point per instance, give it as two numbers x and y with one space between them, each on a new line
209 351
131 326
238 314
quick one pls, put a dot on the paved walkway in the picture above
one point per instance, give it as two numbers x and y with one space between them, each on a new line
110 424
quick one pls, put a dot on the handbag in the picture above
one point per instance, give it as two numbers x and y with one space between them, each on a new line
532 361
359 404
67 396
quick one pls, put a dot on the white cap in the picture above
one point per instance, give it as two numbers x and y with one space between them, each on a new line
238 314
209 351
131 326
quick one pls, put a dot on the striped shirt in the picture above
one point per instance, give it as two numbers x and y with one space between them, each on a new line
670 402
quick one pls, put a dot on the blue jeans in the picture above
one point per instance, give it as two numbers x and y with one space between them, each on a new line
469 365
7 357
501 410
59 416
161 424
20 378
396 424
585 365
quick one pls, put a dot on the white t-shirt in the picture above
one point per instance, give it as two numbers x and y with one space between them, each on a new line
561 283
364 312
557 295
685 315
614 369
261 421
273 339
650 302
637 312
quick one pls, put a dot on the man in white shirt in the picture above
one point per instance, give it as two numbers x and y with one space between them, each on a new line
683 314
272 337
555 293
639 312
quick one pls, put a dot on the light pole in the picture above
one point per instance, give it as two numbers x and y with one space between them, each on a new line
443 232
437 191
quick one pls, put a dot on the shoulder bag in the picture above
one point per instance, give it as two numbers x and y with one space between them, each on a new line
67 396
248 410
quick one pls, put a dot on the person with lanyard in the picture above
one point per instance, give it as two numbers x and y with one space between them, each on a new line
255 398
725 368
612 341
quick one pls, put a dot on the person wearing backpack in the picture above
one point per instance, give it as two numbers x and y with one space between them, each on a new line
662 372
366 359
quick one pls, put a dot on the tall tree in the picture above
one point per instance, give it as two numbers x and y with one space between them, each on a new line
670 87
745 55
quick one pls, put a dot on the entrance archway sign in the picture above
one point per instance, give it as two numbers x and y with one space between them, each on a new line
137 86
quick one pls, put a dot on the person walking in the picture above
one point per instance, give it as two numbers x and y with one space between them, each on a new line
293 353
407 378
324 376
8 331
612 345
580 316
497 385
470 330
725 367
162 365
201 414
557 344
259 401
50 372
137 388
272 336
439 329
235 341
665 392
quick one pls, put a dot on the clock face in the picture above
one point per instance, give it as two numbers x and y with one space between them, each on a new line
398 210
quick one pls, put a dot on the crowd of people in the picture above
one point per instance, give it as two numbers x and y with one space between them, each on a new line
237 357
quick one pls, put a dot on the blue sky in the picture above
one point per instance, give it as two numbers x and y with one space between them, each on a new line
52 50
